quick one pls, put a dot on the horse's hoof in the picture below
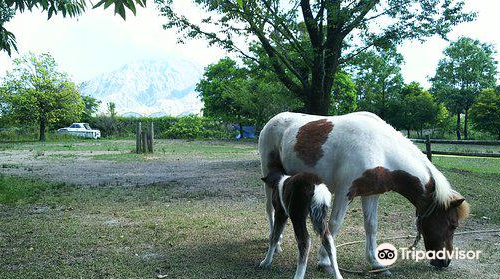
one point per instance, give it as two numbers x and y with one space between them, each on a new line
278 250
384 272
326 268
264 264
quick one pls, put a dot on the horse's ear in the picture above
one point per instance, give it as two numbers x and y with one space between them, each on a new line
462 207
456 203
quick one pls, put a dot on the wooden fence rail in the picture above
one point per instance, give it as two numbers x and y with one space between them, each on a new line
429 152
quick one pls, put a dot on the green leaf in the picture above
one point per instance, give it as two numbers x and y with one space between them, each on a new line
99 4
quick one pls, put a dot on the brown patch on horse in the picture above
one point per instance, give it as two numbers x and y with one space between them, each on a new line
310 138
380 180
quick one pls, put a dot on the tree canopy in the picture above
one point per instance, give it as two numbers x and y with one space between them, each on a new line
467 68
36 92
323 34
414 109
238 95
485 113
378 80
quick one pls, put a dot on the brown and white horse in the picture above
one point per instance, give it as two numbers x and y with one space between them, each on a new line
359 154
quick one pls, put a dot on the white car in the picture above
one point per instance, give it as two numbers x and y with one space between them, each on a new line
81 130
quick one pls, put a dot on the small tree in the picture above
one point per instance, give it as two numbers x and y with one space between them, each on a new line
90 107
112 109
36 92
467 68
485 113
417 109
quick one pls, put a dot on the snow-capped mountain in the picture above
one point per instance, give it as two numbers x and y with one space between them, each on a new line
149 87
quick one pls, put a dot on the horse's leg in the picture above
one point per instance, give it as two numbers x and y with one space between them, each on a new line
279 224
270 215
303 244
340 203
370 205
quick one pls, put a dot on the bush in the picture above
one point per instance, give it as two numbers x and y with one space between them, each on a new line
193 127
187 127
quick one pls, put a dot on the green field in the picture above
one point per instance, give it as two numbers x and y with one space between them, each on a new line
194 227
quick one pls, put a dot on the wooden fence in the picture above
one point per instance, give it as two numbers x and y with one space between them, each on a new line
429 152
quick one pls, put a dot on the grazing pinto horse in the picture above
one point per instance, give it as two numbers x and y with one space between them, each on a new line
359 154
296 197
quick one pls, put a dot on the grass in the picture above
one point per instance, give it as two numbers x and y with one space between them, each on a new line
15 190
54 230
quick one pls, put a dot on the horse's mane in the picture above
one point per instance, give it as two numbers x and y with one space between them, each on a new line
443 194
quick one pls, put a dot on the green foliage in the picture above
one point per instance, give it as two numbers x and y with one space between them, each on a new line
415 109
485 113
467 68
378 80
36 92
112 109
90 107
242 95
7 39
344 94
121 5
306 42
194 127
187 127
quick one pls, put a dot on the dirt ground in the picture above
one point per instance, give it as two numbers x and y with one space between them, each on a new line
189 173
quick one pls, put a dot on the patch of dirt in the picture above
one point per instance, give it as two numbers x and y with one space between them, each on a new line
191 177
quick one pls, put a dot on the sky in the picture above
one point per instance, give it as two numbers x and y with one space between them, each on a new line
99 42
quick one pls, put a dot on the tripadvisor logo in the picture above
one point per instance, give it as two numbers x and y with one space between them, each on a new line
386 254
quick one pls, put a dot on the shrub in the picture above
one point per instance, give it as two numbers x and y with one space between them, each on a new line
193 127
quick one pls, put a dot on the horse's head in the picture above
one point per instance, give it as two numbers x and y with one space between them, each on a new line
438 223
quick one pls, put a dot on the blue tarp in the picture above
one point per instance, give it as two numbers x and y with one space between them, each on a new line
248 131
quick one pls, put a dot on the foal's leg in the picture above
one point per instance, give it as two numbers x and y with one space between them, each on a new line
327 241
340 203
303 243
370 205
279 224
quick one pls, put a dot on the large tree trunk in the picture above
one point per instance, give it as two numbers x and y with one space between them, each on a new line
466 122
458 126
317 103
42 128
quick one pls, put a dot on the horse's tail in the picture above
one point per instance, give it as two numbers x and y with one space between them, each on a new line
320 205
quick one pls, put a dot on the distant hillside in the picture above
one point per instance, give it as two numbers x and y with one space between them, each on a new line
151 87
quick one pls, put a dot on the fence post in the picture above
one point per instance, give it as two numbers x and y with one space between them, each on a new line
151 134
138 131
428 147
144 141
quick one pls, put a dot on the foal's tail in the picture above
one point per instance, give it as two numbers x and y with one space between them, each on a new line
320 205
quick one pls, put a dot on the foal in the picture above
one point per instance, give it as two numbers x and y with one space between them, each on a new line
296 197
